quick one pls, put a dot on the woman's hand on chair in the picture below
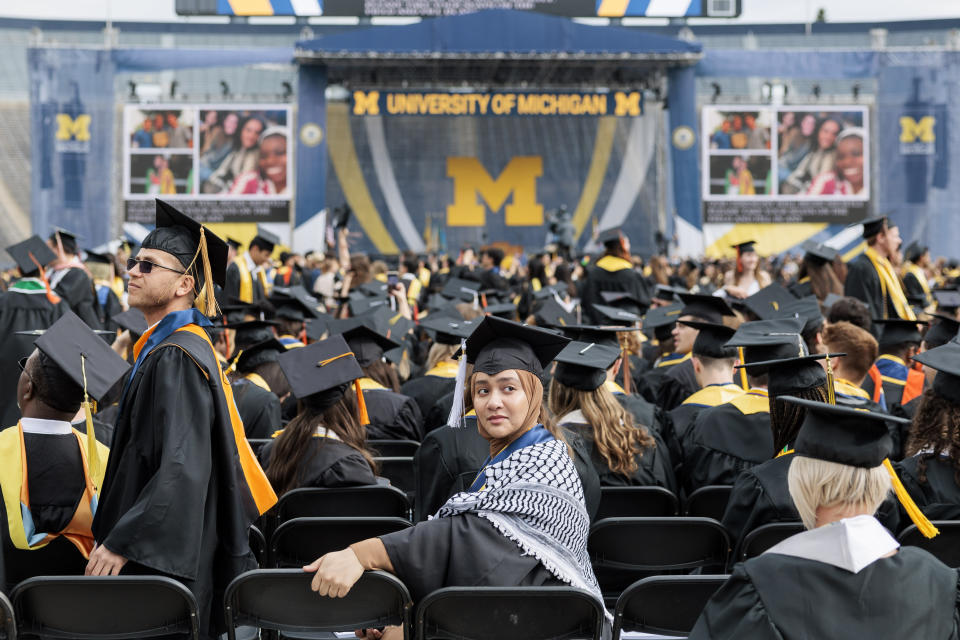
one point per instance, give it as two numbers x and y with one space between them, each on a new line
336 573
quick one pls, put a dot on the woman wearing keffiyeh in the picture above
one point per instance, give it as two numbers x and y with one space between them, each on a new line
523 521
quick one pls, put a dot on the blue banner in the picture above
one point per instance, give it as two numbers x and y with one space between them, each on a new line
311 155
71 129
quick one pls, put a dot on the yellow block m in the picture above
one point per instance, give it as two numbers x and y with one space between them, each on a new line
627 104
910 129
366 103
519 178
68 127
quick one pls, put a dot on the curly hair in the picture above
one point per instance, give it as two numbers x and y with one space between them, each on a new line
935 430
859 345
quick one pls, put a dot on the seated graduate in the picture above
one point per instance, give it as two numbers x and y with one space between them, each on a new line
291 316
623 451
658 324
50 473
846 576
929 470
439 378
901 383
516 524
851 370
325 444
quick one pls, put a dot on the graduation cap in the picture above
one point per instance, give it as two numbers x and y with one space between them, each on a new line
624 300
946 360
374 288
316 327
873 226
267 237
251 332
299 293
942 331
583 365
897 331
548 291
448 330
99 258
506 310
65 238
792 375
320 373
255 354
914 251
818 253
710 308
367 344
830 300
617 316
236 244
660 320
807 309
607 336
133 321
668 293
610 236
90 363
767 302
747 246
29 253
361 304
766 340
497 345
712 339
947 299
195 247
460 289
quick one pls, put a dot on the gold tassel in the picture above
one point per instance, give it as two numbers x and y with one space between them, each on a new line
743 371
206 294
233 363
831 391
361 404
923 524
93 453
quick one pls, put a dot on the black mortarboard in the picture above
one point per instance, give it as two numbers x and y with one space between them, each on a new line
583 365
316 327
873 226
607 336
610 236
659 317
448 330
551 313
497 345
830 300
367 345
665 292
32 246
746 246
617 316
255 354
547 291
946 360
897 331
361 304
179 236
80 353
267 236
236 244
792 375
765 340
99 258
324 367
818 253
374 289
947 299
309 302
292 309
396 326
460 289
766 302
252 331
913 251
807 309
843 435
506 310
712 339
624 300
941 331
710 308
68 239
132 320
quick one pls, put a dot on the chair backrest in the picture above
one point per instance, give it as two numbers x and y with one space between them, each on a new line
399 471
8 622
302 540
708 502
394 448
762 538
109 607
281 600
369 501
664 604
509 613
636 502
945 546
258 545
59 558
624 550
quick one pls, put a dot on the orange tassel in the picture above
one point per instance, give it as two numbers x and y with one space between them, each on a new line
626 370
51 296
361 403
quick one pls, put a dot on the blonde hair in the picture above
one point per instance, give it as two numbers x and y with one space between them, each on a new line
817 483
100 271
440 352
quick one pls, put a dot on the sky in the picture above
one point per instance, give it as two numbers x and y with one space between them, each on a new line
753 10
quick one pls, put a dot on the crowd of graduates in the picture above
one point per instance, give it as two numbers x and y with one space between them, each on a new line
525 379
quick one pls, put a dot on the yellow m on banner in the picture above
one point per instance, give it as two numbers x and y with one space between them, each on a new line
76 128
366 103
519 178
911 130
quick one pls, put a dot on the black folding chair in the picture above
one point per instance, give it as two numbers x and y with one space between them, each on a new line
281 600
667 605
399 471
946 546
636 502
767 536
394 448
708 502
369 501
258 545
302 540
509 613
8 623
624 550
108 607
59 558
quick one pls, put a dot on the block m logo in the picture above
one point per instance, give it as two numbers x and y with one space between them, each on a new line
627 104
911 130
519 178
366 103
73 128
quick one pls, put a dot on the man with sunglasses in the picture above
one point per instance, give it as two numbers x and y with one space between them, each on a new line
182 485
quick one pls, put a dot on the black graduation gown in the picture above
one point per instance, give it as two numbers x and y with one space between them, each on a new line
258 408
724 441
777 597
55 479
329 464
599 279
393 416
174 500
802 288
76 288
679 383
863 283
638 368
20 312
939 496
231 288
643 412
102 431
678 422
110 307
426 391
914 289
653 464
461 551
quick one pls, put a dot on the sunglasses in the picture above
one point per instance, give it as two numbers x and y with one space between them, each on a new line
146 266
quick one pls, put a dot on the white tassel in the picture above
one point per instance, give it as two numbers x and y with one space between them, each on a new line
455 419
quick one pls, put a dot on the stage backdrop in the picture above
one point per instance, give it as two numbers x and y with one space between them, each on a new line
435 170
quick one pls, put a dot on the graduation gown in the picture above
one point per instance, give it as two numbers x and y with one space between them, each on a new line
611 273
258 408
900 383
174 500
77 290
939 496
24 307
393 416
780 597
679 383
231 287
638 369
428 389
108 305
863 283
727 439
329 463
643 412
680 419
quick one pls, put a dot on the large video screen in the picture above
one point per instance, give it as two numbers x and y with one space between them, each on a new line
785 164
217 163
